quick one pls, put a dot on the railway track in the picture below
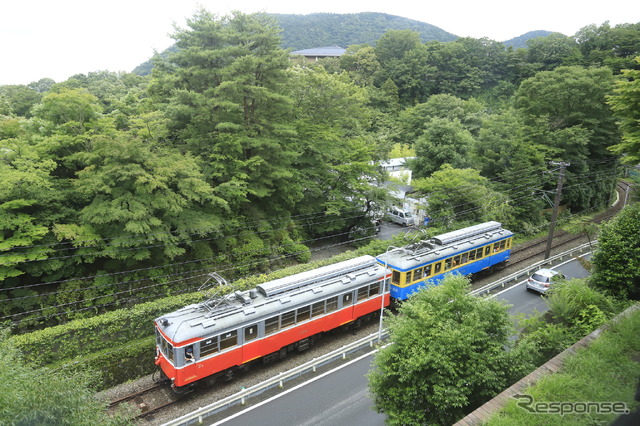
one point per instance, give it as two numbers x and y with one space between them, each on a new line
150 405
533 251
144 403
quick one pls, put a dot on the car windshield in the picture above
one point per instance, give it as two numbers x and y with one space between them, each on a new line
540 278
407 214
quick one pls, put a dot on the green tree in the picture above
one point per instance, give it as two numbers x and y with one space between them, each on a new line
25 183
552 51
443 142
18 100
466 67
450 352
615 47
566 111
415 120
336 156
144 197
625 103
504 155
395 44
616 262
361 63
31 396
223 92
402 57
463 195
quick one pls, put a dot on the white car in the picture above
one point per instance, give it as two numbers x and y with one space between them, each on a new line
542 279
401 217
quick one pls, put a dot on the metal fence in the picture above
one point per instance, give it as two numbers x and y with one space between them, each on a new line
196 417
502 282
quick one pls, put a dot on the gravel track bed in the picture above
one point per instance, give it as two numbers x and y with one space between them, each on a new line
332 340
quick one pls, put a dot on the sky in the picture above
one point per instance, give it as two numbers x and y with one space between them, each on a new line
57 39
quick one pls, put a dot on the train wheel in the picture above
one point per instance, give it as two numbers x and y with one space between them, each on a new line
229 374
282 353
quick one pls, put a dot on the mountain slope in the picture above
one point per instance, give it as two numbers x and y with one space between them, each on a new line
521 41
332 29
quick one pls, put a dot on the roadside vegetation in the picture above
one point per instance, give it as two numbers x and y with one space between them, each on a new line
119 193
450 352
606 372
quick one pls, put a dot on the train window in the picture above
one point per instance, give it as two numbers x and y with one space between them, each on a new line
472 255
437 268
169 352
503 244
427 271
395 277
417 274
228 340
347 299
465 258
303 314
487 250
250 332
271 325
479 253
317 309
209 346
509 243
456 260
363 293
386 286
374 289
332 304
288 319
447 264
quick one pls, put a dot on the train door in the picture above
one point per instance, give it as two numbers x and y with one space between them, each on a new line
251 345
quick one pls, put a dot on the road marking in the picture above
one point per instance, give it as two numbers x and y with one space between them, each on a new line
273 398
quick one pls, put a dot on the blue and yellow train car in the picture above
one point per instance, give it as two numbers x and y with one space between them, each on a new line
465 251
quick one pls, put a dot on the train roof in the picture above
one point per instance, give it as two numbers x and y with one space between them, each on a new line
236 309
444 245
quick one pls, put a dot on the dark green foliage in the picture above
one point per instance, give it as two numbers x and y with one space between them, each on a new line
575 310
614 47
625 103
36 396
566 112
17 100
617 259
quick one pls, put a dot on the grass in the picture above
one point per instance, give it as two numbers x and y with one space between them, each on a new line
607 371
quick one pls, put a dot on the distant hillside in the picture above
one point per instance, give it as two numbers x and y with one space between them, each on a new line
521 42
332 29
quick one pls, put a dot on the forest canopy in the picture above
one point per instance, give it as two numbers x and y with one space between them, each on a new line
117 188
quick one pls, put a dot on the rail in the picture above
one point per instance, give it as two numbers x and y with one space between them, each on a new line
197 416
586 247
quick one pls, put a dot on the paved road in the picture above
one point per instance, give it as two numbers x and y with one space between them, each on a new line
341 397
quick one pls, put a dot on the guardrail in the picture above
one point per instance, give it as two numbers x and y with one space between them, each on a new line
275 381
196 417
534 267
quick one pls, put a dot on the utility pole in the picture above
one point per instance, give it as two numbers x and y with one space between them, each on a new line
556 205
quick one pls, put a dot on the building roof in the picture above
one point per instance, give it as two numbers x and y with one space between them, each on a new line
321 51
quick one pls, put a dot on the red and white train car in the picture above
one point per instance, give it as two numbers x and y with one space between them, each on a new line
214 338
